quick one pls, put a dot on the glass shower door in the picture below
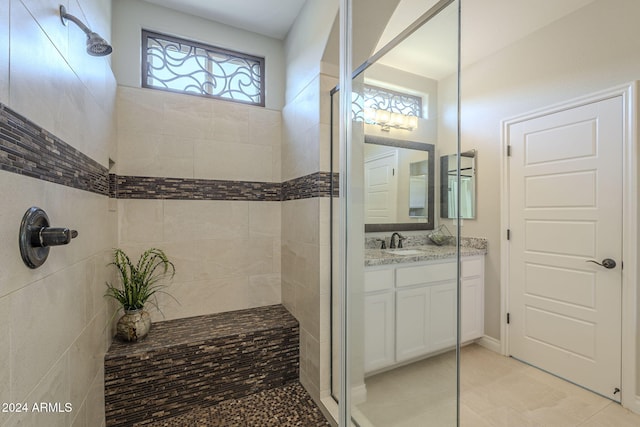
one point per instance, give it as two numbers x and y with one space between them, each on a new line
396 260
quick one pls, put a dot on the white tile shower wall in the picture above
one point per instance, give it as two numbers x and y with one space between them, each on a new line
162 134
53 332
226 253
63 98
301 281
54 317
4 52
301 133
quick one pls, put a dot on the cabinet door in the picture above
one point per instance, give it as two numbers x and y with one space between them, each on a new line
443 319
472 326
412 323
378 330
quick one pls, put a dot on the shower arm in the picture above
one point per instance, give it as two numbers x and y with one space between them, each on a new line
64 16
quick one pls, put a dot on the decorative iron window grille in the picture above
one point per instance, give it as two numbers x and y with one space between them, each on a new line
378 98
185 66
357 107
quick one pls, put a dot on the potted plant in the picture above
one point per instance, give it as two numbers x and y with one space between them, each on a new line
138 284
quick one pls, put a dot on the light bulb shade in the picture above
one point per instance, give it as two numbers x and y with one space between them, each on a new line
412 122
387 119
383 116
397 120
370 114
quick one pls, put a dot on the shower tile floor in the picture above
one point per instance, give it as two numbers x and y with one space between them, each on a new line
496 391
286 406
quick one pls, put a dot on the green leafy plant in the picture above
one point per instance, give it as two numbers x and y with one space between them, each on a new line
139 281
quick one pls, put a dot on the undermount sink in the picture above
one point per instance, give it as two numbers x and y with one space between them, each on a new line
405 251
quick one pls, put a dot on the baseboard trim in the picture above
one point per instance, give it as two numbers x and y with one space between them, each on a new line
490 343
358 394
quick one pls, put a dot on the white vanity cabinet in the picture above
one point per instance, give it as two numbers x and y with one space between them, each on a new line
472 298
379 318
410 309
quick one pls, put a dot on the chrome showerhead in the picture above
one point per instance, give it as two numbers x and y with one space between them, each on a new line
96 45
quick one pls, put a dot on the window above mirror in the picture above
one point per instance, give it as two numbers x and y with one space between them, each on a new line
387 108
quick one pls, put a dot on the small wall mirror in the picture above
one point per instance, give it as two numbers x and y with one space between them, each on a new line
418 191
449 187
399 184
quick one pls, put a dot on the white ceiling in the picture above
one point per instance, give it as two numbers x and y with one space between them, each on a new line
271 18
487 26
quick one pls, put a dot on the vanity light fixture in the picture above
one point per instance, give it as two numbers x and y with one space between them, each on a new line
96 45
388 120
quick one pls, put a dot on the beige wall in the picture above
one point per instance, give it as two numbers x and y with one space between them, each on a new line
52 319
590 50
227 253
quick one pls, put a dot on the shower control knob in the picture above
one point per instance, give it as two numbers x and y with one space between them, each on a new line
36 237
49 236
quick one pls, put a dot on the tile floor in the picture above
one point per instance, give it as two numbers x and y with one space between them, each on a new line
496 391
285 406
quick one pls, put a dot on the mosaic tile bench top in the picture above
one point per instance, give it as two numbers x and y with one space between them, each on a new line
186 364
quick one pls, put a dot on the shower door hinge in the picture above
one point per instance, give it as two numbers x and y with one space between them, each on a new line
508 318
508 234
508 150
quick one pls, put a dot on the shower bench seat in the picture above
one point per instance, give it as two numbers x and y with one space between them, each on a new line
198 362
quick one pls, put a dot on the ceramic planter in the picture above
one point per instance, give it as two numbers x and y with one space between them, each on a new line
134 325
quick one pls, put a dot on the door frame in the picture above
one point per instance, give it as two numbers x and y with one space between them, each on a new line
631 185
395 161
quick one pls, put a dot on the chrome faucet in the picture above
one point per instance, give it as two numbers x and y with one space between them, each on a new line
392 243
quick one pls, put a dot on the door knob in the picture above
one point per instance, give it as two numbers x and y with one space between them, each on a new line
606 263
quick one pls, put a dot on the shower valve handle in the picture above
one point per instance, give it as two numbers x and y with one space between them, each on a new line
42 237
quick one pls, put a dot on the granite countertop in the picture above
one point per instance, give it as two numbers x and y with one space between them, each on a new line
373 257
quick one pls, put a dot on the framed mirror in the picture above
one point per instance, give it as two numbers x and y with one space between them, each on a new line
398 184
449 187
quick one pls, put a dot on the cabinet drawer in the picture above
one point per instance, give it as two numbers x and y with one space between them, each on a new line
472 267
378 280
407 276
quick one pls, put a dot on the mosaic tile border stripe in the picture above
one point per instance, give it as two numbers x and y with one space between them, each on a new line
144 187
29 150
319 184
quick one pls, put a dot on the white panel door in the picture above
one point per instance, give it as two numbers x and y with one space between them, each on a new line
381 188
565 210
